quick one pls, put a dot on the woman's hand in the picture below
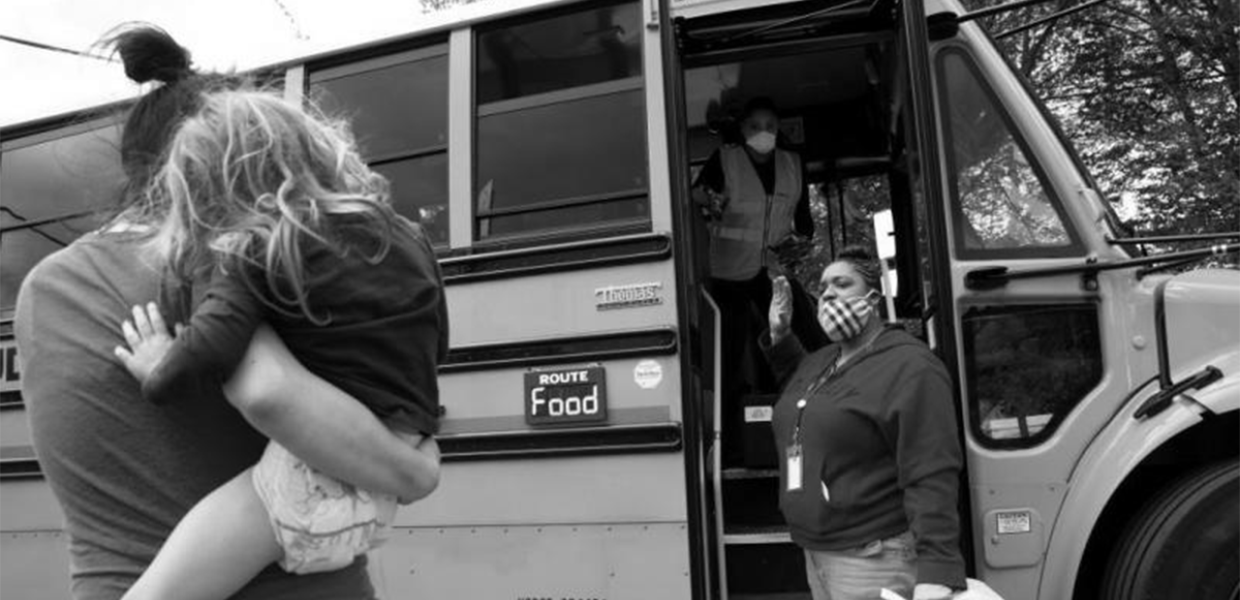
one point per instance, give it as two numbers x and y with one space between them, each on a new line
781 309
710 202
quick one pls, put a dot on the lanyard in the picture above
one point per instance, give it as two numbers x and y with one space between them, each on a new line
822 378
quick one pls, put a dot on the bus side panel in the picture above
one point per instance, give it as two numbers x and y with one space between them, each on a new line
34 565
14 428
34 553
633 488
493 400
577 562
556 304
28 505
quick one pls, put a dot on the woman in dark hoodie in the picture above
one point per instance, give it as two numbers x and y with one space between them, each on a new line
867 435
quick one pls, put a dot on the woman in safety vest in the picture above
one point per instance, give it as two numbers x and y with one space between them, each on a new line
756 200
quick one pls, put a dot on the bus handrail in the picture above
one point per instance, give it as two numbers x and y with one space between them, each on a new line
716 442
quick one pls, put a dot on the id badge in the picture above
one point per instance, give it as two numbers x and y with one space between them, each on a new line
794 467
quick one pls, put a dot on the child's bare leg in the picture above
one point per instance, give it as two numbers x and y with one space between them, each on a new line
220 545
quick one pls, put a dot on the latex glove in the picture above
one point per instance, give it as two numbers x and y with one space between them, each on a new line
710 202
977 591
781 308
931 591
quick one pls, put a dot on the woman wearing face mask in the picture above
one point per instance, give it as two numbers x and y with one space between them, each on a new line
755 199
869 455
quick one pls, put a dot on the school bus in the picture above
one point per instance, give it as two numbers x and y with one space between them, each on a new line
549 146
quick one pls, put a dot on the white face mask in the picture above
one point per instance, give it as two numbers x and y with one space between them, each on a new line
762 142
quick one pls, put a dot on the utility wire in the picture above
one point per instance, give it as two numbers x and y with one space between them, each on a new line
288 14
34 228
42 46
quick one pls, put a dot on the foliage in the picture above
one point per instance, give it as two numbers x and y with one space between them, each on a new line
850 203
1149 93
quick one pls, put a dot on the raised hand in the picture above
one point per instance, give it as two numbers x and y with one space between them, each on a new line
781 308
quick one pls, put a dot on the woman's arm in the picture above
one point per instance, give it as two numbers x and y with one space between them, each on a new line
325 427
922 430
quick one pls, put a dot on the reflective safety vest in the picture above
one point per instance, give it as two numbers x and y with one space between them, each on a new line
752 221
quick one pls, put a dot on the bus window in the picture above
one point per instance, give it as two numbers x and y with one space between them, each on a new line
398 107
561 124
1002 205
1028 366
59 183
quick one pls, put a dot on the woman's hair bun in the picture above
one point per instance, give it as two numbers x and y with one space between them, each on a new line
855 252
149 53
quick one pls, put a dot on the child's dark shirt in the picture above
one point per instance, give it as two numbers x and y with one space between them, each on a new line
385 333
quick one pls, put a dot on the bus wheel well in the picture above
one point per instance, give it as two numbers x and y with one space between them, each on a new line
1212 440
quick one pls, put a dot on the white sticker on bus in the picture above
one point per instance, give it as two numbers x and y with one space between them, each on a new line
648 374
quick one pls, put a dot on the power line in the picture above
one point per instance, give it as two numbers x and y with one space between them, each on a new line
42 46
288 14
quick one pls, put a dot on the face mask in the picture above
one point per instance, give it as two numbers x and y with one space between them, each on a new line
762 142
844 318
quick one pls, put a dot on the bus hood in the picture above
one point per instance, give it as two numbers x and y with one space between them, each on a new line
1203 320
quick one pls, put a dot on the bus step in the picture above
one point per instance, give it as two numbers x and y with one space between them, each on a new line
743 473
756 534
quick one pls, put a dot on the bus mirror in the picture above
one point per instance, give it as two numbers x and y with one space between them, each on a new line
941 26
990 278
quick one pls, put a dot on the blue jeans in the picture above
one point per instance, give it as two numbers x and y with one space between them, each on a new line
860 573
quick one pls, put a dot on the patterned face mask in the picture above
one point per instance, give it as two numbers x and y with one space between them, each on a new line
844 318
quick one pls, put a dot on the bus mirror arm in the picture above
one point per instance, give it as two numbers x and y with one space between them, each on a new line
995 277
945 25
990 278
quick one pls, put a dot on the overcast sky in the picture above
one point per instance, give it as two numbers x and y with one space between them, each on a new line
221 34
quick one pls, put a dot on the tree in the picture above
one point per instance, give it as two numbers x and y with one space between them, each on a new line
1149 92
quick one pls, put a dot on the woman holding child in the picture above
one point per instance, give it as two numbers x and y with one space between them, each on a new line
243 213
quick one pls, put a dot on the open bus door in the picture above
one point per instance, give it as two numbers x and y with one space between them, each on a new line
852 81
699 327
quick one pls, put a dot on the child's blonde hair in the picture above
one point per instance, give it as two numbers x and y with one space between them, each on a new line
248 177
